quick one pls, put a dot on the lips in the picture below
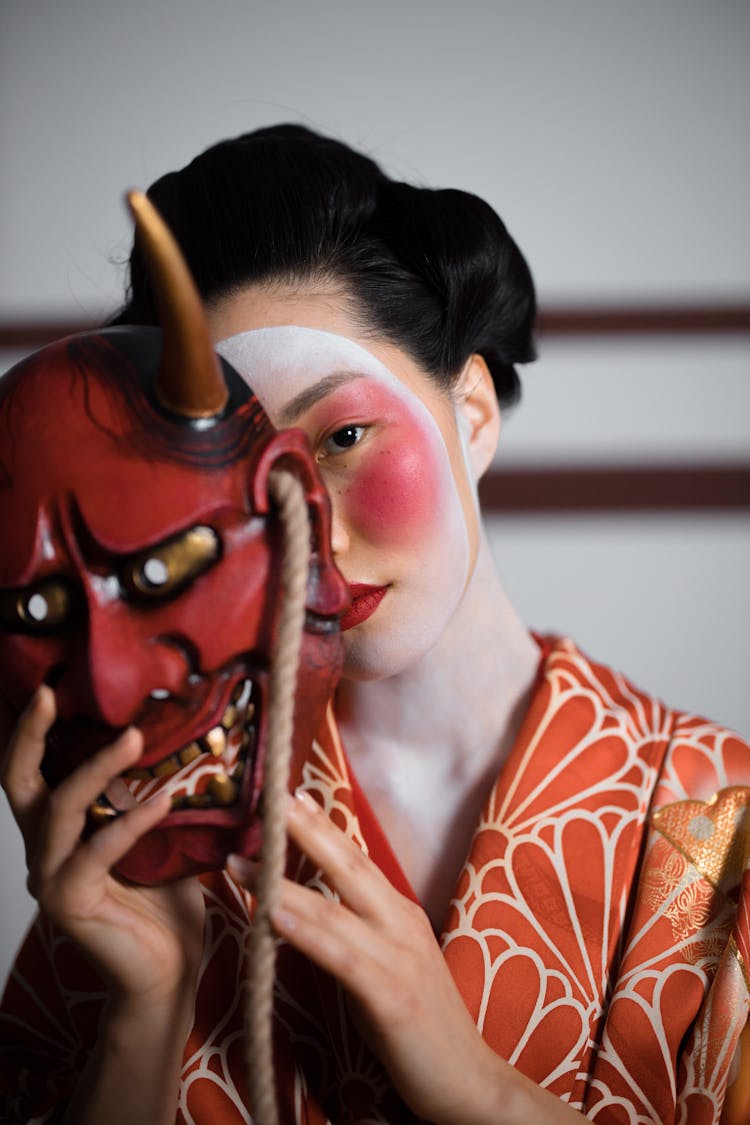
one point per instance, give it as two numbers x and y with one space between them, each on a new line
365 600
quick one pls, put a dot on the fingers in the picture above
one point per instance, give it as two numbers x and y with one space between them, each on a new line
63 882
108 845
119 796
352 938
52 821
21 777
69 802
339 941
380 946
361 885
58 870
328 932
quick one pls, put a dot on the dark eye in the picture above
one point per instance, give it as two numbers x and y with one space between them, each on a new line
164 569
344 438
42 608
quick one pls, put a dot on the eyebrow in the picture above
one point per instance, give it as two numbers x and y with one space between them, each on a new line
307 398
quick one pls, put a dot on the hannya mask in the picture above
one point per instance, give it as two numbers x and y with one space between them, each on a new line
140 565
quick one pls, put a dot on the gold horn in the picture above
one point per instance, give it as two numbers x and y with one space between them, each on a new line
190 380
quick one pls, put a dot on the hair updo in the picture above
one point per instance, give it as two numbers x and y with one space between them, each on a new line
433 271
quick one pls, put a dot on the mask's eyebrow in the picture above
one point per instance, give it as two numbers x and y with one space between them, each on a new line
307 398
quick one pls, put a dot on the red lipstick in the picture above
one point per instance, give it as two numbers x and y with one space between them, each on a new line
365 600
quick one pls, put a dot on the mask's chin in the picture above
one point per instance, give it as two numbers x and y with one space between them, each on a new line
213 781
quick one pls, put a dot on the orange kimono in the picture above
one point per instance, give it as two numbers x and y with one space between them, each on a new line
599 934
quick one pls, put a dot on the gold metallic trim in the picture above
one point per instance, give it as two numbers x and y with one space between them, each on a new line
722 854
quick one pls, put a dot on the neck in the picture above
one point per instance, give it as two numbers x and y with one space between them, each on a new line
464 693
428 743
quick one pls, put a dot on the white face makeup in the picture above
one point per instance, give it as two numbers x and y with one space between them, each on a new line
400 533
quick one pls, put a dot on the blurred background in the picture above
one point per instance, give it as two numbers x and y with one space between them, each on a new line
612 138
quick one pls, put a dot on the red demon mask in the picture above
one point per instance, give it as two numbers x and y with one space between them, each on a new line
139 573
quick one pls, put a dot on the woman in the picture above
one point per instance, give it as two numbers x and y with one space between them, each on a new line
497 790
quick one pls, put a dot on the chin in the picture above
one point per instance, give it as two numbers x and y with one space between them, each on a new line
368 658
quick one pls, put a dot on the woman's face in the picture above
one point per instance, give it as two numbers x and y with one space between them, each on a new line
389 445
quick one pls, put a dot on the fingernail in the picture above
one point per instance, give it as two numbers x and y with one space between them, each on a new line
39 695
128 734
306 799
242 868
283 920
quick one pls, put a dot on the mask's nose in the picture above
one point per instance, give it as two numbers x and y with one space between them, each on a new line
116 661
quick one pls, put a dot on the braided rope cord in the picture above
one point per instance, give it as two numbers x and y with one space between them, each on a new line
288 494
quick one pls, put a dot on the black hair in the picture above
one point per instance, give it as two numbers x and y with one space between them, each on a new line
433 271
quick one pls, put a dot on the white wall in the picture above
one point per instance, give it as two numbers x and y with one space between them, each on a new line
611 136
613 139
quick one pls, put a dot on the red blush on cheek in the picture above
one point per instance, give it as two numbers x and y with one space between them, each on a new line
399 487
399 490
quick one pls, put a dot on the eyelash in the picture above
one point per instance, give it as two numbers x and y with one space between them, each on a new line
329 449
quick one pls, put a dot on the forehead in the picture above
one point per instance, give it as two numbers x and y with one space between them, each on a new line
282 362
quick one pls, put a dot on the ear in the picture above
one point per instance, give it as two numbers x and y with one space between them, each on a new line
478 414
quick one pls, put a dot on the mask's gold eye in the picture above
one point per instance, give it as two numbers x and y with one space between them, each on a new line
42 608
163 570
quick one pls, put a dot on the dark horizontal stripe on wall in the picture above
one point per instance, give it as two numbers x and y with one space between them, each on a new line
22 334
668 320
616 489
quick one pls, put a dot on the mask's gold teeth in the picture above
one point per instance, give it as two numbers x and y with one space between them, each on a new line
167 767
138 774
190 753
235 727
223 790
216 741
102 813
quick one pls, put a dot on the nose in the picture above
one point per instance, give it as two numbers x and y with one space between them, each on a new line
340 539
115 662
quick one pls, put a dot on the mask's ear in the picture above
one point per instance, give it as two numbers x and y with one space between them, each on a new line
478 414
289 450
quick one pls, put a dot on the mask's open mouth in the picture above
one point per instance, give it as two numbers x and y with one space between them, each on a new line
206 773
